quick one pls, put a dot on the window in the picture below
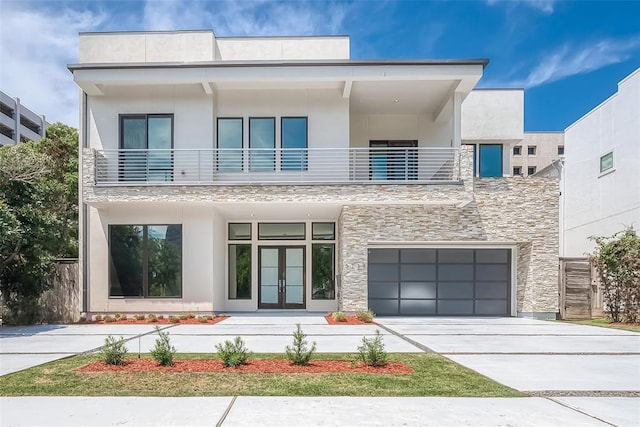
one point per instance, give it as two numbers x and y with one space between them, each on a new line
281 231
294 143
517 170
531 170
239 271
393 160
145 261
517 150
229 144
560 150
323 231
323 271
606 162
531 150
146 141
262 140
490 160
239 231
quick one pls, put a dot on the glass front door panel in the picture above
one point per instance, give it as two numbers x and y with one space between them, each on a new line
269 275
294 276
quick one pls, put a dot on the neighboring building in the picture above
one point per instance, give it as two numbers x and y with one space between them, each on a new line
537 151
18 123
601 177
237 174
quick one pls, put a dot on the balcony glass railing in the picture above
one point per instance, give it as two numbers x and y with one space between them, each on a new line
294 166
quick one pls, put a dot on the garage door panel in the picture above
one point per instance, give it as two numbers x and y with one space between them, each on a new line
455 307
384 272
384 289
455 272
455 290
491 307
492 256
492 272
418 290
417 272
384 306
418 256
497 290
387 256
409 306
455 256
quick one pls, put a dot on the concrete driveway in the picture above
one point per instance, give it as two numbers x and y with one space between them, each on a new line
532 355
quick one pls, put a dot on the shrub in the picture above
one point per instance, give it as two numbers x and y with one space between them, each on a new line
82 319
109 319
183 317
299 353
151 318
203 319
163 351
365 316
233 353
617 259
191 315
97 318
117 316
160 317
174 319
371 352
113 351
339 316
139 317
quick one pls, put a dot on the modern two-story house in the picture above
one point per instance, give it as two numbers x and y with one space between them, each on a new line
276 173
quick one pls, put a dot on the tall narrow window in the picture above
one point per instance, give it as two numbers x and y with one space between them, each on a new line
146 141
262 140
490 160
294 143
229 145
145 260
239 271
323 271
606 162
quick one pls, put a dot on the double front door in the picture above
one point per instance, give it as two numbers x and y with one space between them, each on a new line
281 277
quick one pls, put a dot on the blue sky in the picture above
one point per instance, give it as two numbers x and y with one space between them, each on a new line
568 55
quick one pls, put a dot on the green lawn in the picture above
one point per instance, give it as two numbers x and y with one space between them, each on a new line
433 375
605 323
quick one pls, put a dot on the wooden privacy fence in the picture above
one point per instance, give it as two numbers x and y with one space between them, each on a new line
61 302
579 289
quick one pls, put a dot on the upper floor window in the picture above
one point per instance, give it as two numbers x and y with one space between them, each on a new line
517 170
531 170
147 140
229 144
517 150
531 150
262 142
560 150
606 162
294 137
490 160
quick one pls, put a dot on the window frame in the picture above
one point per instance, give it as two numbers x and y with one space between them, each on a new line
123 155
305 165
242 151
519 148
530 169
609 169
519 173
531 150
273 148
145 262
560 148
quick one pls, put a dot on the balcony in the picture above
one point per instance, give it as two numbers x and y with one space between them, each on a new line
422 165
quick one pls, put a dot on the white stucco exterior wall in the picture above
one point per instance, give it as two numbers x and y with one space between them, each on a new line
595 203
495 114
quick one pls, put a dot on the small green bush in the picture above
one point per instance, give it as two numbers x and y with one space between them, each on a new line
183 317
152 318
174 319
109 319
339 316
299 353
113 351
191 315
139 317
372 352
203 319
97 318
163 351
233 353
160 317
365 316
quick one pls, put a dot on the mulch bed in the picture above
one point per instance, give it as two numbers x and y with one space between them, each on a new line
351 320
263 366
164 321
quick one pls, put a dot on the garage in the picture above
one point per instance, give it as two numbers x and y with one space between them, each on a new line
439 282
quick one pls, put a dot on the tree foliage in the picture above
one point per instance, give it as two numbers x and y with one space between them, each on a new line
617 259
38 216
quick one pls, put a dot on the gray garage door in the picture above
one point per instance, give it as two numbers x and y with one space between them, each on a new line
456 282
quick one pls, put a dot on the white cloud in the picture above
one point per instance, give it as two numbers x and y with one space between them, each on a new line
570 60
544 6
35 46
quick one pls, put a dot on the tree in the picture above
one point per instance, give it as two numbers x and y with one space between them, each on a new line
617 259
38 217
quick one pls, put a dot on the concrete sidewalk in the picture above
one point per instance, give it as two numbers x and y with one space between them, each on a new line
315 411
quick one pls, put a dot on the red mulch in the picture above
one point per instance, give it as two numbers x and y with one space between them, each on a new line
351 320
264 366
165 321
624 324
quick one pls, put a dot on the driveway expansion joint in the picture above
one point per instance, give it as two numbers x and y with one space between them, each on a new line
579 411
407 339
582 393
226 411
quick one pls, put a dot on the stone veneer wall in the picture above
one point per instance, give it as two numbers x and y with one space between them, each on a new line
519 210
